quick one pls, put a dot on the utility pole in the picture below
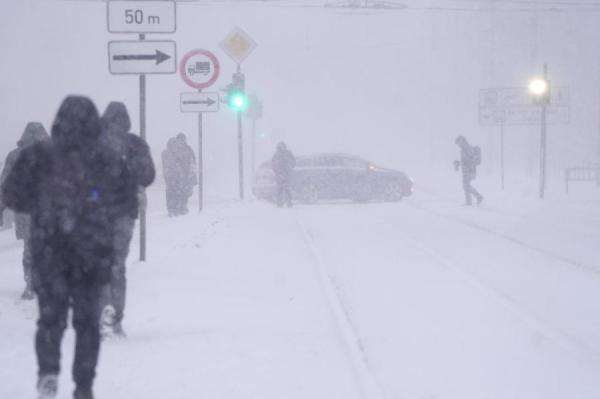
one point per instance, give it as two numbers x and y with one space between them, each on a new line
543 139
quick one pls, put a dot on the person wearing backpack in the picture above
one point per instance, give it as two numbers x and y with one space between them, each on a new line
34 132
136 171
66 185
470 158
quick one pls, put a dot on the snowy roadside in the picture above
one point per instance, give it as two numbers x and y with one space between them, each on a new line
227 306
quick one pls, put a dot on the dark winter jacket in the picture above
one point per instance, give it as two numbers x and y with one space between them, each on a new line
65 184
283 164
468 161
136 168
34 132
179 165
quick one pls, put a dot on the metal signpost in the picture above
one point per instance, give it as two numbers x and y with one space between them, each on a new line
512 107
255 111
199 69
238 45
141 57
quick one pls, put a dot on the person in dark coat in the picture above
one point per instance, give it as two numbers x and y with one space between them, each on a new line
34 132
468 165
66 185
283 164
137 172
179 170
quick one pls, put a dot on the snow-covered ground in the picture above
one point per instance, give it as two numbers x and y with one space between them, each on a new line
418 299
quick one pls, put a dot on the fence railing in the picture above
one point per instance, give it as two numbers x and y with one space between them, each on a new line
581 174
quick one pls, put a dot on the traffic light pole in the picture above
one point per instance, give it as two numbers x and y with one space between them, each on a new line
253 145
240 147
240 153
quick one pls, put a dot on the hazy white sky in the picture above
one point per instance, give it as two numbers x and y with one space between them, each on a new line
393 86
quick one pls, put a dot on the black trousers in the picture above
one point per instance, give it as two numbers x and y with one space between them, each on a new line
284 195
469 189
55 296
116 291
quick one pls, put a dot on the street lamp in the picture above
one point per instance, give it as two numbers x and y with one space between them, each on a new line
539 90
538 87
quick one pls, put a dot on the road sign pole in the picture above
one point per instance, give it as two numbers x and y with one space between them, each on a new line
143 136
200 163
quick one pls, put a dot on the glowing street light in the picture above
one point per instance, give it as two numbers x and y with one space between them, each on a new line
538 87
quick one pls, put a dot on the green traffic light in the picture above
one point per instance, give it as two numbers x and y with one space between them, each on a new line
238 101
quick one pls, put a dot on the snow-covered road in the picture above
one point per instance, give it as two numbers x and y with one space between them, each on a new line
419 299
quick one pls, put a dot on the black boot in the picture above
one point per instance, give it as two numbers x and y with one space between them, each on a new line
83 394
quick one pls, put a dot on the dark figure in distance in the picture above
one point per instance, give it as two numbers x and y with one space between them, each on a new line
137 172
283 164
66 185
470 158
179 169
34 132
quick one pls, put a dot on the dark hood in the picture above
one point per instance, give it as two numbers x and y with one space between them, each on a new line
77 122
116 118
34 132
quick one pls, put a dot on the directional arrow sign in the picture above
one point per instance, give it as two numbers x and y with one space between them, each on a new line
199 102
142 57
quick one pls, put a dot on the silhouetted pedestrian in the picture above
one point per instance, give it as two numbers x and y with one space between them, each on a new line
66 185
283 164
470 158
179 170
34 132
137 172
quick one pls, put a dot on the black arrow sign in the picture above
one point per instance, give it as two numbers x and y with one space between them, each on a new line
208 102
159 57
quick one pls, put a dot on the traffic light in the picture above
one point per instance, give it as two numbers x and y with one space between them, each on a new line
235 93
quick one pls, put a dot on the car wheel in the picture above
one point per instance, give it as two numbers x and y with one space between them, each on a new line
393 192
310 193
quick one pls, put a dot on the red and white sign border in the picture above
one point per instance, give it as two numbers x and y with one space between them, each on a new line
183 71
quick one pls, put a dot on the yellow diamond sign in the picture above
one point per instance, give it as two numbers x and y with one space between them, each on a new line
238 45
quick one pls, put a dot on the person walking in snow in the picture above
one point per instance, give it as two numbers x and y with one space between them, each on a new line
137 172
283 164
470 158
66 185
34 132
179 170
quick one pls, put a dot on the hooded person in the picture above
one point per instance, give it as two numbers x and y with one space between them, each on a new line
469 160
283 164
179 169
66 185
136 171
34 132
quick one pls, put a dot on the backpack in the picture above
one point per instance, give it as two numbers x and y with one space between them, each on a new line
477 155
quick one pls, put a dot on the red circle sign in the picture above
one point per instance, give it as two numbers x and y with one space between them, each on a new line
199 69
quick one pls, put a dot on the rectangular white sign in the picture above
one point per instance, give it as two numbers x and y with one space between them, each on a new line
141 16
514 97
524 115
199 102
142 57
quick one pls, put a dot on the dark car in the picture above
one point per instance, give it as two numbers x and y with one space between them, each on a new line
336 176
